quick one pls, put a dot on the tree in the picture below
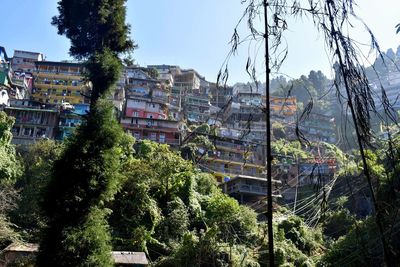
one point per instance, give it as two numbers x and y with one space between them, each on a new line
10 170
190 216
38 162
10 166
87 175
153 73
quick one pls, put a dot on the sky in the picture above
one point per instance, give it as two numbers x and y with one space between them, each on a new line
193 34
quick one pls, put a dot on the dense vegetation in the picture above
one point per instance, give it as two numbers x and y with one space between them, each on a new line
164 207
178 216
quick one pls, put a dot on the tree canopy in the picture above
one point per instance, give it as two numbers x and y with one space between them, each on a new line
94 26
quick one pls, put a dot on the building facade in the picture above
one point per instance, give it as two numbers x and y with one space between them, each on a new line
60 82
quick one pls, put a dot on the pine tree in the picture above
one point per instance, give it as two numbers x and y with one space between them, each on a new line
87 175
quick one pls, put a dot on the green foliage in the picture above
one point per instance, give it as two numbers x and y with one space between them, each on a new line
104 71
205 184
301 88
88 173
357 248
175 222
292 148
294 244
6 124
10 171
10 166
93 26
236 223
38 163
204 129
205 250
8 199
84 178
197 148
278 130
153 73
337 223
172 212
306 240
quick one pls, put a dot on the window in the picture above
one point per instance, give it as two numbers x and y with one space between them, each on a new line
153 136
41 133
15 130
28 131
162 138
136 135
135 114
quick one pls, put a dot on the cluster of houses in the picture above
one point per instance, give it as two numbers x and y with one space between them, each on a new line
165 104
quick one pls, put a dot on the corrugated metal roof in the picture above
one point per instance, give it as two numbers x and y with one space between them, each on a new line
129 257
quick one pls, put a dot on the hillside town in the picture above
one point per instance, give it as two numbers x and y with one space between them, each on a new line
168 105
188 134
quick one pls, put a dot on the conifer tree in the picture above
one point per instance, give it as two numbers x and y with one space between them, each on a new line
87 174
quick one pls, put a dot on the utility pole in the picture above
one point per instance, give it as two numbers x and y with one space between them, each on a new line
268 141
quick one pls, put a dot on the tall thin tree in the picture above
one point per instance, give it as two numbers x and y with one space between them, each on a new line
87 174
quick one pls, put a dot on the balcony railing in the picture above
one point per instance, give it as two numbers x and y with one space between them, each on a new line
245 188
168 141
49 74
232 171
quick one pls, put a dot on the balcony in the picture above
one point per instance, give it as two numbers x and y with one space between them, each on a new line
238 158
246 188
168 141
160 99
60 87
61 76
234 171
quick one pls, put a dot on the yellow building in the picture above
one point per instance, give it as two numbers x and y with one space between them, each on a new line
59 82
286 106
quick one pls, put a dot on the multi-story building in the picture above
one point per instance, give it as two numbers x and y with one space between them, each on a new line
316 170
249 88
163 131
319 127
197 108
187 81
165 72
244 108
8 86
220 96
146 113
60 82
283 109
70 119
391 83
231 156
24 61
5 69
32 121
237 165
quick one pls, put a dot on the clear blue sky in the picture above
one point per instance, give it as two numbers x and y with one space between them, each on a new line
189 33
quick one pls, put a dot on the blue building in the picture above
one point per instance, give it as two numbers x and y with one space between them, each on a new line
70 119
